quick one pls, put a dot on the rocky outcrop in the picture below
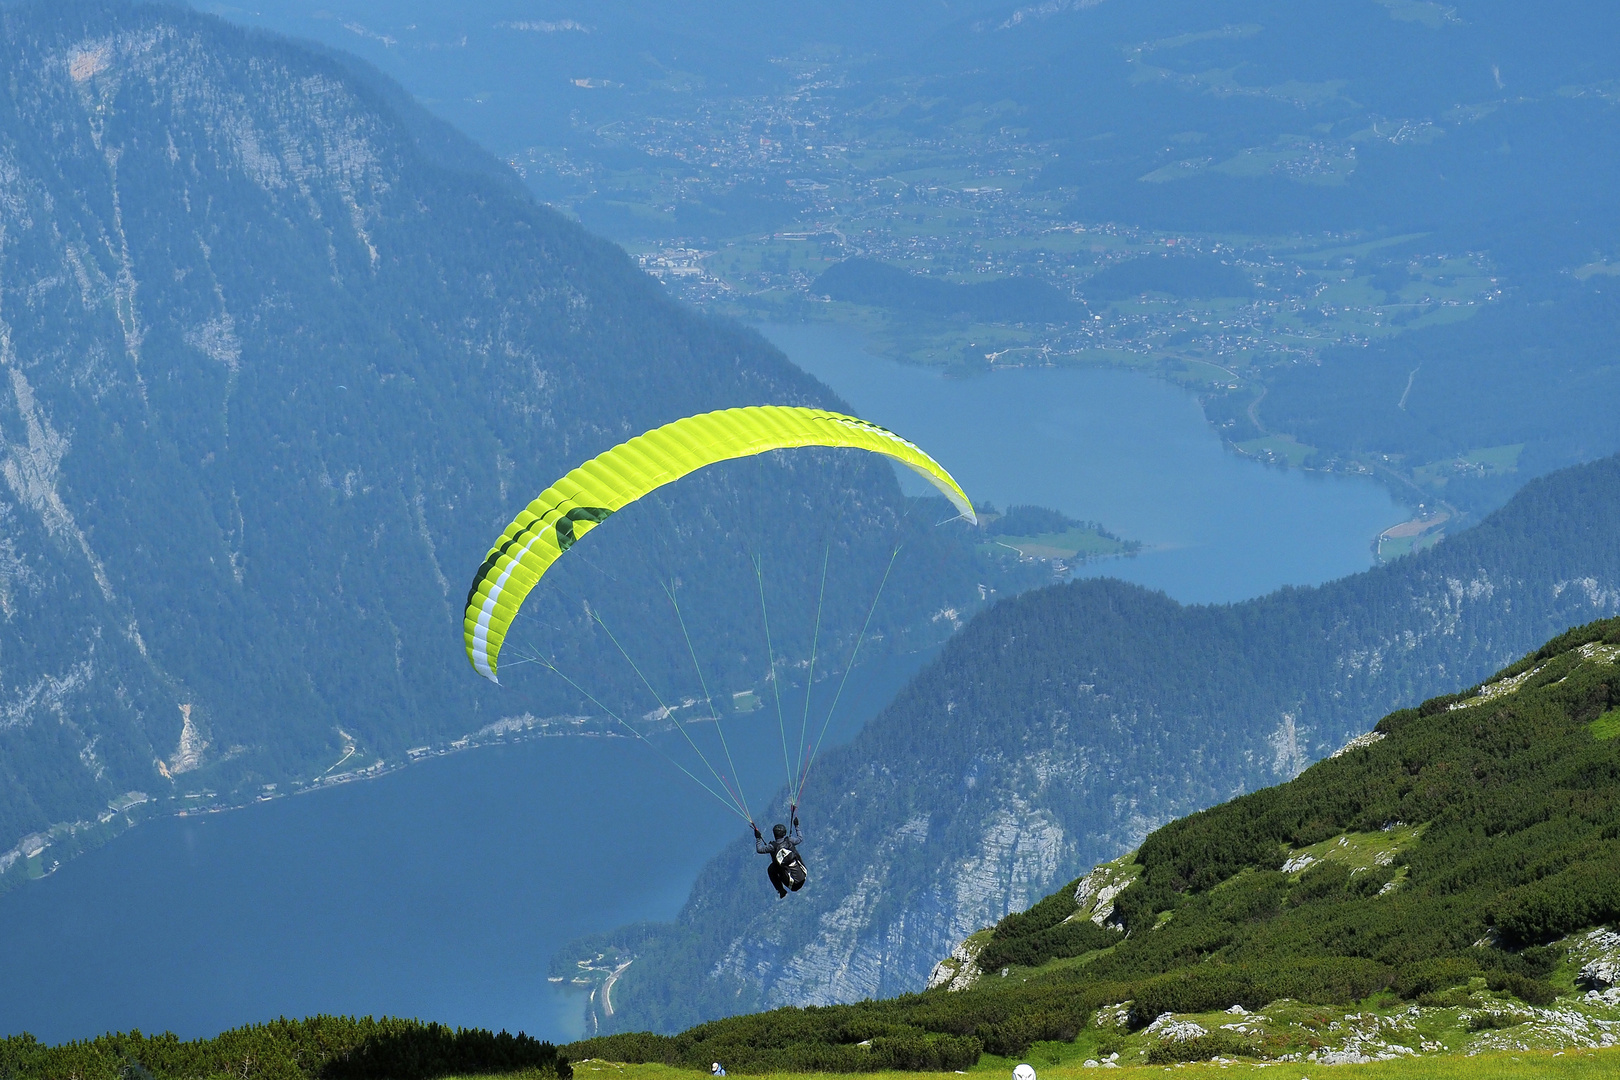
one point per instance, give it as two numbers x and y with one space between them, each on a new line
1097 891
960 970
1598 953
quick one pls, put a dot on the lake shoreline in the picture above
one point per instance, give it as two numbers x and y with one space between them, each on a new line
1121 447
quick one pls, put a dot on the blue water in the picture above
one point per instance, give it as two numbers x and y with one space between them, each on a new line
1121 448
439 891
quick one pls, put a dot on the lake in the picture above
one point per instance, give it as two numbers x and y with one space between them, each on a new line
442 890
438 891
1120 448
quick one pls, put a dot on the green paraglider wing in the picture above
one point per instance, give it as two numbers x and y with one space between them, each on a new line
583 499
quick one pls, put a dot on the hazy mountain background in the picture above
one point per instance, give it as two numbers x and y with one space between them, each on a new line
1411 195
282 355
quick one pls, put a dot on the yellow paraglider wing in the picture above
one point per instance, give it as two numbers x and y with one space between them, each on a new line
584 498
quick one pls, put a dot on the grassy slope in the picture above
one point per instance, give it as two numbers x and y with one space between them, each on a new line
1438 866
1541 1065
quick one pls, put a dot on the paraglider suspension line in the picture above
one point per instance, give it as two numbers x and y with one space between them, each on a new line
776 683
704 683
810 682
667 711
729 804
798 790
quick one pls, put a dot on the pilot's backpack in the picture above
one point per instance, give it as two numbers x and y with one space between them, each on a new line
792 867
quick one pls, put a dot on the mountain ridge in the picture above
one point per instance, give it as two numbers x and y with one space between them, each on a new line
1439 885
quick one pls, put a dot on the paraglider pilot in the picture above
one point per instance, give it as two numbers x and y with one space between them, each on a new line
787 870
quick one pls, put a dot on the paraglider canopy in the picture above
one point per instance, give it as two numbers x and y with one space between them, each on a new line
588 495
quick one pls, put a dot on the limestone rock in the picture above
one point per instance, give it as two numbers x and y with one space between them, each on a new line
960 970
1600 949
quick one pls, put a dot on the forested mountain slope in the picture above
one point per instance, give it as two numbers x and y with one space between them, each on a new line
1441 885
281 355
1061 727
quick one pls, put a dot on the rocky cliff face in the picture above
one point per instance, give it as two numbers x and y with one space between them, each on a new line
1059 728
279 355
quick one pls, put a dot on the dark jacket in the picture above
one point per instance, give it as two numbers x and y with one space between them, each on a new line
770 847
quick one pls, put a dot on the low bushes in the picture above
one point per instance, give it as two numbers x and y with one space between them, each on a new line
923 1052
1526 989
793 1050
1201 1048
1207 987
1584 894
948 1029
317 1048
1013 1037
1432 976
1050 943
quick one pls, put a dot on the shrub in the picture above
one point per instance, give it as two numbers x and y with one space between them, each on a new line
1493 1020
1455 997
1013 1036
925 1053
1322 881
316 1048
632 1048
1332 980
1432 976
1526 989
1052 943
1199 989
1201 1048
1585 894
407 1050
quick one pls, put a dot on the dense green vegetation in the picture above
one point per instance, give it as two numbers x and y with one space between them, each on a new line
318 1048
930 1029
1026 520
1059 727
1456 844
1043 932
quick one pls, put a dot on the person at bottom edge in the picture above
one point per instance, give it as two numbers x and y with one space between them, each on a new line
787 872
